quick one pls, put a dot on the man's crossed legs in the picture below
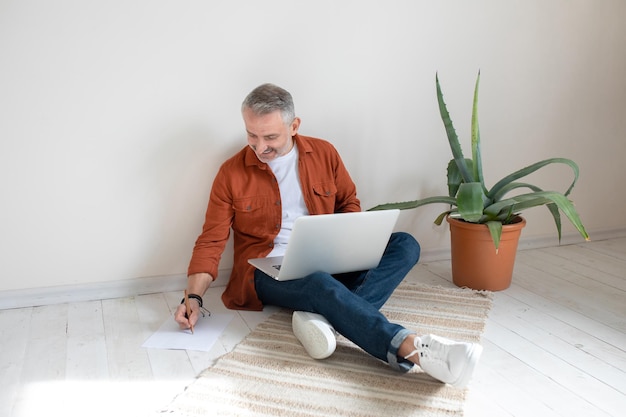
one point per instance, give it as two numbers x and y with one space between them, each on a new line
350 304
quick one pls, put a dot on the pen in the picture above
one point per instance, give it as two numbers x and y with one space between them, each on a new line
188 310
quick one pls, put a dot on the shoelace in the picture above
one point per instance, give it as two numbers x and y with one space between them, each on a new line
417 350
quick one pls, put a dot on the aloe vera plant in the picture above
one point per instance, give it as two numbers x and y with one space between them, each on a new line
473 202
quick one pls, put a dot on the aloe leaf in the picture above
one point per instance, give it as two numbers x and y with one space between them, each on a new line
553 208
556 215
442 216
512 186
405 205
453 139
532 168
454 176
470 201
505 216
525 201
476 153
561 202
495 229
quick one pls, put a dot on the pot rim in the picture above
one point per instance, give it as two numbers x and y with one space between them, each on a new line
518 223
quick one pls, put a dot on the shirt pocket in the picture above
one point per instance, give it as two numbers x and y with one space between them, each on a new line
252 215
325 194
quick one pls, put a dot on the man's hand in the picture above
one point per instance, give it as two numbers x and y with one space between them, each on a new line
196 284
181 314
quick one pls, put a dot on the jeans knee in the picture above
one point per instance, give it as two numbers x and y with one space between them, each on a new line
321 290
408 245
321 283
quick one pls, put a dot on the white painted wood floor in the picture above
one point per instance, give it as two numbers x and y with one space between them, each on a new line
554 345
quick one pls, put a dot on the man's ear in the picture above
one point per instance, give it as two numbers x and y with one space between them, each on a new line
295 125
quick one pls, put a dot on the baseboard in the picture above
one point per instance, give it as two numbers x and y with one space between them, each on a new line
33 297
150 285
535 242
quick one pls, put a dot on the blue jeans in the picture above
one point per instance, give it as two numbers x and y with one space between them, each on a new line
351 301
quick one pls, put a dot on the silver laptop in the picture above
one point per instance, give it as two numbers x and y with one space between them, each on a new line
332 243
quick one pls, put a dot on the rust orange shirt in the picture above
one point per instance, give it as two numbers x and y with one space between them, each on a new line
245 198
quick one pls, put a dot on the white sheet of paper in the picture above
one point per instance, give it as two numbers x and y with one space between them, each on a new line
205 333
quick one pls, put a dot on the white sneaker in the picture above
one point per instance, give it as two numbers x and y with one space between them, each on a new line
446 360
315 333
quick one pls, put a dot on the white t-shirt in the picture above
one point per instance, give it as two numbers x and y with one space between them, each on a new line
285 169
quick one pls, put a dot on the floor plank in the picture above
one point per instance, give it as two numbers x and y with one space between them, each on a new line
612 247
581 349
86 343
124 336
45 356
572 369
584 265
503 381
46 351
166 364
615 339
571 290
14 338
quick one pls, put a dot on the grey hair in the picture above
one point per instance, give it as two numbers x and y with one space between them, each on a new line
268 98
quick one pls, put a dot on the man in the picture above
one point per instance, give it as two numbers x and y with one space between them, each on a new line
258 193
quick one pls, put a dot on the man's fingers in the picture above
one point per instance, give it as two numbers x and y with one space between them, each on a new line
181 318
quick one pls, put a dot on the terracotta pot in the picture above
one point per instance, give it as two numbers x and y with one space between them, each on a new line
475 262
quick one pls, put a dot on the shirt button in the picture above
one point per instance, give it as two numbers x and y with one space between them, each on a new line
278 202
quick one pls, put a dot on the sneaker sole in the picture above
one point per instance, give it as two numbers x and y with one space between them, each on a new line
315 335
472 359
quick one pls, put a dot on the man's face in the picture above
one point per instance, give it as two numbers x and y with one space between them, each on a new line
268 136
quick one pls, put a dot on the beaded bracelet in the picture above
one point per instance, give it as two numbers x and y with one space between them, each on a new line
195 296
199 299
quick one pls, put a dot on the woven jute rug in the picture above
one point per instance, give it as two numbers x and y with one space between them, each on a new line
270 374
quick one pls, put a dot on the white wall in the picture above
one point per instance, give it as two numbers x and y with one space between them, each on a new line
114 116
